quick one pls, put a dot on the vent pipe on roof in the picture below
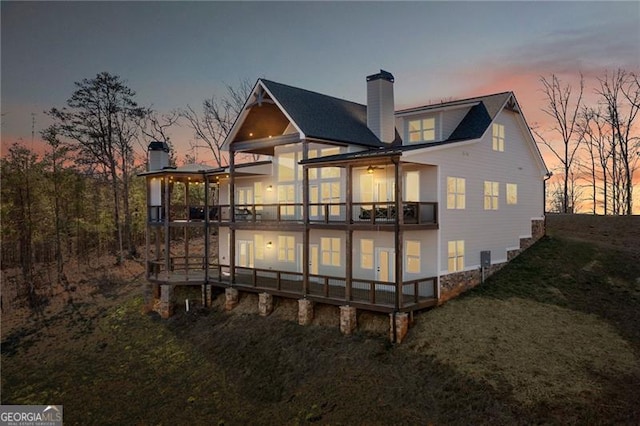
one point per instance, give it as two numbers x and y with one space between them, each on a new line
380 106
158 155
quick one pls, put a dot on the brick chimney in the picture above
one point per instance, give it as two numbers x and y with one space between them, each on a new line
380 106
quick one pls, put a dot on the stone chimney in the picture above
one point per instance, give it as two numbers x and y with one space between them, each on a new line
158 155
380 106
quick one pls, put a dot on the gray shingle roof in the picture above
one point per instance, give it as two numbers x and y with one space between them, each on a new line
472 126
324 117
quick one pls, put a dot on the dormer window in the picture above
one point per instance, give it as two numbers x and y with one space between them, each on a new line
498 137
422 130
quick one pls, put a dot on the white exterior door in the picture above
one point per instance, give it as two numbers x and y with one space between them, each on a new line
245 196
385 264
313 258
245 254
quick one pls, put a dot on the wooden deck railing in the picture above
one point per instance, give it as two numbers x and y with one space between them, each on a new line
368 293
418 213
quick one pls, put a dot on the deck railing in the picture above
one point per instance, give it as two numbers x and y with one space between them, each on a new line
191 270
366 292
418 213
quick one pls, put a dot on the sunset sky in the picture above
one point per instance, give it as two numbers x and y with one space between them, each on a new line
174 53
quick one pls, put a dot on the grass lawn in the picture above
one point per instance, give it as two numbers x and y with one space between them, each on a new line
554 337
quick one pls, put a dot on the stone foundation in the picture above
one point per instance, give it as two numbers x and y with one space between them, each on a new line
401 326
231 297
451 285
265 304
207 295
305 311
166 301
348 320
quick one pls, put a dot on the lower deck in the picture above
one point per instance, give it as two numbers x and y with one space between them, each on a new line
364 294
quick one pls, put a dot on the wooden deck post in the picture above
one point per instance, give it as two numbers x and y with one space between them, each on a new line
167 239
398 232
232 217
207 209
349 242
305 219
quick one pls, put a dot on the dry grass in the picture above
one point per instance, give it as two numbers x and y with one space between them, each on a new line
552 338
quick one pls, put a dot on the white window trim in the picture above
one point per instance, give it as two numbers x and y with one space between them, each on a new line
458 255
494 195
457 193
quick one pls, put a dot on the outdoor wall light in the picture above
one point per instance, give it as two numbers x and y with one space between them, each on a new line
370 169
269 244
270 188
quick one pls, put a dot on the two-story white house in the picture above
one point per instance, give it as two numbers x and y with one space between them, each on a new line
354 205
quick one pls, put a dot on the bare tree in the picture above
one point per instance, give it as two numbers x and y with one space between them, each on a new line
155 126
21 176
597 143
212 125
101 118
620 92
54 166
563 108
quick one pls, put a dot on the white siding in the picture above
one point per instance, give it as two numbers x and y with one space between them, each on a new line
497 231
428 252
314 238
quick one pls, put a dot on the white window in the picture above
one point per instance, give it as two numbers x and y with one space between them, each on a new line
329 172
286 167
412 186
244 254
313 200
413 257
512 193
257 195
366 188
422 130
287 196
366 254
258 240
286 249
313 172
455 256
498 137
330 248
331 195
455 193
491 193
245 196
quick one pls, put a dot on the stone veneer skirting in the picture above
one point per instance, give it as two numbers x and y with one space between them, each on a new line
452 285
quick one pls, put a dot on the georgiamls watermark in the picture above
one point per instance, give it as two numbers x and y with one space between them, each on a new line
30 415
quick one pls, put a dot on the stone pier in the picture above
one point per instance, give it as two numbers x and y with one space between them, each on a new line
305 311
401 326
348 320
166 301
206 295
231 297
265 304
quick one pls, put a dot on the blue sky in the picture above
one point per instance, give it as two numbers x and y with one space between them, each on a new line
177 53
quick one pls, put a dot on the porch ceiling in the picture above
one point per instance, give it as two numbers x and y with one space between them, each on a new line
262 122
